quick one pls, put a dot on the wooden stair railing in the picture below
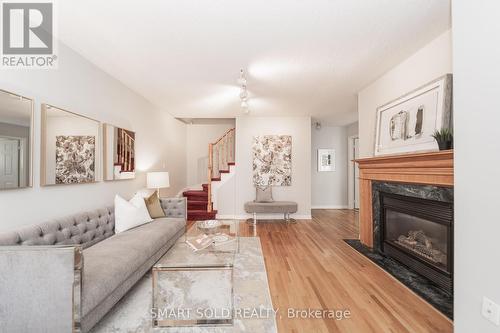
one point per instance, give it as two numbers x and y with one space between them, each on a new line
220 157
125 158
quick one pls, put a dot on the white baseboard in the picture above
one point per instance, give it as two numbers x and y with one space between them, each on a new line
329 207
263 216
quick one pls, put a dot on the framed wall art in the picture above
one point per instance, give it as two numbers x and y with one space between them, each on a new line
119 153
272 160
69 148
16 141
326 160
406 124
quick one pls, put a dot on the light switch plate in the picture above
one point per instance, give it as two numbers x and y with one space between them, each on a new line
491 311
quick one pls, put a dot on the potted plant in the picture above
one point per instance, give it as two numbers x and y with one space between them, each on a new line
444 138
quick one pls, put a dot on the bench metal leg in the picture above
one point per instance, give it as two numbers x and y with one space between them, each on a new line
288 219
253 220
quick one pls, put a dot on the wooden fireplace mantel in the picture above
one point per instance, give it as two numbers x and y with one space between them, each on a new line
434 168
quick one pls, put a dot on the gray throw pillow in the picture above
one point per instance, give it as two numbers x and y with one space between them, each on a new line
264 194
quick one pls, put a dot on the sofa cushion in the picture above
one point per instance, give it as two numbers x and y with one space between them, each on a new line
130 214
154 206
109 263
271 207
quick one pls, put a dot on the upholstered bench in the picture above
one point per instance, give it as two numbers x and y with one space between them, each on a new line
283 207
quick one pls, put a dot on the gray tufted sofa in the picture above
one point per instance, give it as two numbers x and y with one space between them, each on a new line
65 275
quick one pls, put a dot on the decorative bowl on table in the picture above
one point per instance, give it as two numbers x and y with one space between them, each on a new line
208 226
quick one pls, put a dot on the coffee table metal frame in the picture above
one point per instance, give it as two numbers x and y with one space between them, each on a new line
157 268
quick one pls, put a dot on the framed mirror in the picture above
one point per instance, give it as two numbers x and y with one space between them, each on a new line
119 153
70 147
16 141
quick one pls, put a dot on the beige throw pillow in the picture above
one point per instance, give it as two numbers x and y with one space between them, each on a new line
154 206
264 194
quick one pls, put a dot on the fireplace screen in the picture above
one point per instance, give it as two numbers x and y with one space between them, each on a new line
423 238
419 233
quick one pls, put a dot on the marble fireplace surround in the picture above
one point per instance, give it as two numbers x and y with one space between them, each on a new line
410 174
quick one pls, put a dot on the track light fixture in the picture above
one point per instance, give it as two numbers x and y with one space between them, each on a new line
242 81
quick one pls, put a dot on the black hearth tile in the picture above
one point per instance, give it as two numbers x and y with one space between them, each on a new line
422 286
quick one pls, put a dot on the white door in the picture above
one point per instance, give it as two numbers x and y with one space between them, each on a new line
356 174
9 163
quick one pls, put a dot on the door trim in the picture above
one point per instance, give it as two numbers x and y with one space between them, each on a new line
350 170
21 173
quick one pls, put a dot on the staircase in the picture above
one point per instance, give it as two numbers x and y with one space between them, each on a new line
197 203
220 158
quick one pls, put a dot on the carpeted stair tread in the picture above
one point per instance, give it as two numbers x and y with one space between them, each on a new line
196 215
197 205
195 194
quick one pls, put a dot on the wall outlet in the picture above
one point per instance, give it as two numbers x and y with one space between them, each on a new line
491 311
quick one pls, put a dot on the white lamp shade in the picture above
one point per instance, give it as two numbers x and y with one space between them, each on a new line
158 180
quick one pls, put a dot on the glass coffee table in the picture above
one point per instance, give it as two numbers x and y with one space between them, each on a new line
228 227
196 288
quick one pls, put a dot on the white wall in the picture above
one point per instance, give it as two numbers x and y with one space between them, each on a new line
476 53
225 194
197 139
81 87
427 64
352 129
300 129
110 152
329 189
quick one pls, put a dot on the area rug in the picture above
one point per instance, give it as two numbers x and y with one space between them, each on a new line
252 301
422 286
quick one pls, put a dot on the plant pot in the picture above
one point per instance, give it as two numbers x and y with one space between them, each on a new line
445 145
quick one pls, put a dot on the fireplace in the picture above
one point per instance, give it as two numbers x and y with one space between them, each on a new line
406 221
418 232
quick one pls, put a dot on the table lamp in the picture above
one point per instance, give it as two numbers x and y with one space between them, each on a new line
157 180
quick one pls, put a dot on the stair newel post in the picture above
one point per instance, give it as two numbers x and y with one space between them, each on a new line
233 158
121 154
226 143
127 142
230 147
223 155
210 168
219 159
215 161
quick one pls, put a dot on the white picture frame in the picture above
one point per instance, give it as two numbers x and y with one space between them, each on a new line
61 127
406 124
326 160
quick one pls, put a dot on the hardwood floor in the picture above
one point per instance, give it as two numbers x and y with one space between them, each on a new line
309 266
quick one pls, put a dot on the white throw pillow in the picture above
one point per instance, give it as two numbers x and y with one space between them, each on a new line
130 214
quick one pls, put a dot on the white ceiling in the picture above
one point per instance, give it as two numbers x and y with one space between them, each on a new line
302 57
